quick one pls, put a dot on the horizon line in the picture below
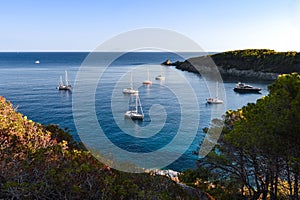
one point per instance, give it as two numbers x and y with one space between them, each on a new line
88 51
146 51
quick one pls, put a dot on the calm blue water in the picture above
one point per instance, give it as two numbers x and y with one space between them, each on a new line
32 87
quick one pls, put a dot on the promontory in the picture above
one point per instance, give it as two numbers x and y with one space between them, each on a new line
261 64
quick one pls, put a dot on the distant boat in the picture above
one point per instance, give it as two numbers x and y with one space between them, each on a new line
135 112
160 77
130 90
215 100
66 86
37 62
243 88
148 81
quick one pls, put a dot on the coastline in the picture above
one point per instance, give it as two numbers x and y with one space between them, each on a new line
261 64
225 72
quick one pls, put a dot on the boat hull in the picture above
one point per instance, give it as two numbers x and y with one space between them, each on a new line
214 101
147 82
134 115
160 78
248 90
64 87
130 91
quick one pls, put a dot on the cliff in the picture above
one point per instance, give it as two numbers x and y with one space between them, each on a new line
261 64
44 162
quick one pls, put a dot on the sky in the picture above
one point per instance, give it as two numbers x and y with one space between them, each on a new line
216 25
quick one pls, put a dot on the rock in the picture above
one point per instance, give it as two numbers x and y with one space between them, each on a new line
167 62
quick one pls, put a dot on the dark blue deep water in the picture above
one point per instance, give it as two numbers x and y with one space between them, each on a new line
32 89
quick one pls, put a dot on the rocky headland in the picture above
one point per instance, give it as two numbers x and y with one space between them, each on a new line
262 64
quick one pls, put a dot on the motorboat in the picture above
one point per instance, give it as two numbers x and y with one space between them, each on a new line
244 88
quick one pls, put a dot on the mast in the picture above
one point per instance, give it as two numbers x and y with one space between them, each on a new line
67 82
141 107
217 90
60 80
131 80
136 103
148 75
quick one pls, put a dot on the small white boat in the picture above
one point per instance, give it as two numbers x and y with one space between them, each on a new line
66 86
215 100
148 81
135 112
130 89
37 62
160 77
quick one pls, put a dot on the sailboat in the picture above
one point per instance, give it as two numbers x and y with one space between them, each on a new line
160 77
66 86
130 90
148 81
215 100
133 112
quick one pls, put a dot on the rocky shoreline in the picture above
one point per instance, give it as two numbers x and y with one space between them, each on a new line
248 74
224 72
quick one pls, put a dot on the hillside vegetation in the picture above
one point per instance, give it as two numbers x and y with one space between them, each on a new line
263 60
44 162
250 63
258 153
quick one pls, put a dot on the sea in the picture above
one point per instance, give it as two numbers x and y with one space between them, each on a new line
175 109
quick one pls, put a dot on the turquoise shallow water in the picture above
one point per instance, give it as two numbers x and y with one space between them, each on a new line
32 88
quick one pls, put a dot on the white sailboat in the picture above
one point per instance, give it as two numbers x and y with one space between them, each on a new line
130 90
66 86
215 100
148 81
161 76
135 112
